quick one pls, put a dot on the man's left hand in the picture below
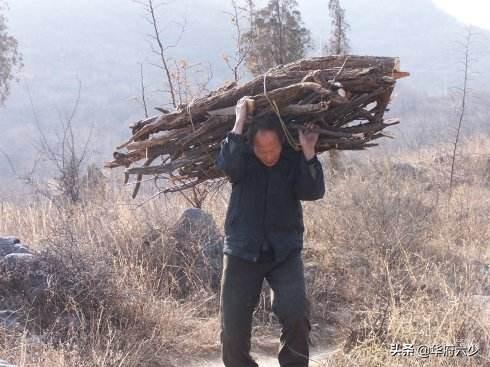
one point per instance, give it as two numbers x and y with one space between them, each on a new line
308 140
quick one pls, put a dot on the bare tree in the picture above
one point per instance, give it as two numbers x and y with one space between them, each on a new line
10 58
66 154
185 81
464 90
159 47
240 13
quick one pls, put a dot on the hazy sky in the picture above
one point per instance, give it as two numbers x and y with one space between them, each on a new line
476 12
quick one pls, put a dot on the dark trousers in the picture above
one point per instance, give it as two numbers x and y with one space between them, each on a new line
241 286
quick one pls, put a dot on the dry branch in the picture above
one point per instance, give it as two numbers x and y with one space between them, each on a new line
346 96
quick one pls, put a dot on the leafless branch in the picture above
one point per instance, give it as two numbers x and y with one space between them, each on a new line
241 51
9 161
464 97
150 7
63 154
143 96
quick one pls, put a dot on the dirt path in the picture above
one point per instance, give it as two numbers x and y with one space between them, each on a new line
316 359
264 351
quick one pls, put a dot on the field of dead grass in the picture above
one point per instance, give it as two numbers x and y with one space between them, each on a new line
390 258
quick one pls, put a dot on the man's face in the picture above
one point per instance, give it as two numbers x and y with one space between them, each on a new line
267 147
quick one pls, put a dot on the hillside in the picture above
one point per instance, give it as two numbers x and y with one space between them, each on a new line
388 258
101 43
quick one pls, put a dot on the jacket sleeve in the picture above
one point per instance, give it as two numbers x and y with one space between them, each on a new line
309 184
231 159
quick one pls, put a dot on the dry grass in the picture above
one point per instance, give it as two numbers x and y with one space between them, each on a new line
389 259
400 262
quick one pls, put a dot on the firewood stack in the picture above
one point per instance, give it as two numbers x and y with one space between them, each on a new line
346 96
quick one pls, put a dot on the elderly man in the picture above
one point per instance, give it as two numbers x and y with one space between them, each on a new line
264 235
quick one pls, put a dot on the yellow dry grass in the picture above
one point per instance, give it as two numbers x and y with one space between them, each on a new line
390 259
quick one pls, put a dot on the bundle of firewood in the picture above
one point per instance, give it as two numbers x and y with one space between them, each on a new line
346 96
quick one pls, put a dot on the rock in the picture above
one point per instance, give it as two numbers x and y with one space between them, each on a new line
18 255
23 274
195 225
25 261
12 245
196 221
26 287
9 240
14 254
197 236
5 364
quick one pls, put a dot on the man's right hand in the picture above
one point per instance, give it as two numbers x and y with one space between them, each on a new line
242 115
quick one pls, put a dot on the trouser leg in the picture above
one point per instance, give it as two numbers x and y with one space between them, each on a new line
241 285
292 308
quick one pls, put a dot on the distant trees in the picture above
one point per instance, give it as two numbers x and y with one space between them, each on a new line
276 35
338 43
10 58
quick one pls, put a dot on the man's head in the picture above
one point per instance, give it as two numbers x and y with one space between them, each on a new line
266 138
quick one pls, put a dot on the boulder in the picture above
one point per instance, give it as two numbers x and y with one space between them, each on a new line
197 237
8 240
22 276
10 245
18 257
195 225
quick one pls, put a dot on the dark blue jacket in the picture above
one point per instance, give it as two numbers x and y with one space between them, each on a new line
265 201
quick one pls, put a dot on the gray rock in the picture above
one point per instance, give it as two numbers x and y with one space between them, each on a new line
15 260
8 240
12 245
26 272
19 255
5 364
195 220
197 234
195 225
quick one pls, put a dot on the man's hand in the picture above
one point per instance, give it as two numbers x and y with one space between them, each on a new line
308 140
242 115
